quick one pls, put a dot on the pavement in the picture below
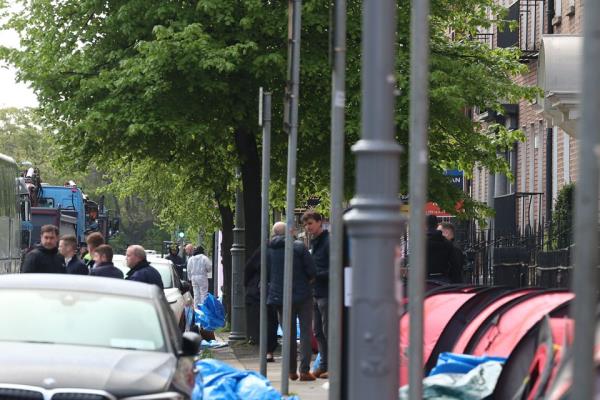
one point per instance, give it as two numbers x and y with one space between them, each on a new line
244 356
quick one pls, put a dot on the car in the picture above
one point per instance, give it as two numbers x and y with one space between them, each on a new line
177 291
77 337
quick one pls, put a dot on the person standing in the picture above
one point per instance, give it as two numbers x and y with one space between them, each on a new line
449 232
45 258
104 266
319 249
252 286
440 253
199 267
302 308
176 260
140 270
93 240
67 247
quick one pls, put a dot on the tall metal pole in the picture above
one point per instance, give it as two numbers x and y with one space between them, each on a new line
419 154
488 279
295 7
238 252
338 120
585 282
375 223
264 229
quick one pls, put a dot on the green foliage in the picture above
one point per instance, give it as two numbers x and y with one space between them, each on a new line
155 94
562 221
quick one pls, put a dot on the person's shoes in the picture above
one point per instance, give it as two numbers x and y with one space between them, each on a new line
293 376
318 372
324 375
307 376
270 357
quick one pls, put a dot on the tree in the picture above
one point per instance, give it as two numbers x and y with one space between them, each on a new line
122 82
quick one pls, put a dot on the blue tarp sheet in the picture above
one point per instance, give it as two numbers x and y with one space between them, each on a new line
478 383
210 315
217 380
451 363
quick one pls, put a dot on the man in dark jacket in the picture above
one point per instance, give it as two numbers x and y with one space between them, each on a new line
45 257
93 240
440 253
449 232
67 247
140 270
176 260
319 246
104 266
303 275
252 286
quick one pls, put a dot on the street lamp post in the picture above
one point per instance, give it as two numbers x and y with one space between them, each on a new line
375 223
238 256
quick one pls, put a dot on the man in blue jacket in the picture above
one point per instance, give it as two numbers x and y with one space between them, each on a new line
319 248
140 270
103 265
302 308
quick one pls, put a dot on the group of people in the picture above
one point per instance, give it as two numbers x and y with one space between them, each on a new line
59 255
310 292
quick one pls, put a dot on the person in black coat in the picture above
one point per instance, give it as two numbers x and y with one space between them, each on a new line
176 260
104 266
304 273
140 270
67 247
319 249
45 258
252 286
440 253
449 232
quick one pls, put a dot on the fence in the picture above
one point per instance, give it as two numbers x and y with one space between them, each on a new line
527 257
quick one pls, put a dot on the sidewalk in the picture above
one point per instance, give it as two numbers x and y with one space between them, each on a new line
244 356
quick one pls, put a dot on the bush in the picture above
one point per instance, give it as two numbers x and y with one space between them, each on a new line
562 223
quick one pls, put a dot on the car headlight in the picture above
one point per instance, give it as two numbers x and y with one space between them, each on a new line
157 396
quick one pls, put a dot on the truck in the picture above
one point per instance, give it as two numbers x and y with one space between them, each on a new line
65 206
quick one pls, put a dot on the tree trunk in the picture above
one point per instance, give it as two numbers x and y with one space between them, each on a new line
226 243
251 171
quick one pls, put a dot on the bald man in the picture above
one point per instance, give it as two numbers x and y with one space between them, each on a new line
139 268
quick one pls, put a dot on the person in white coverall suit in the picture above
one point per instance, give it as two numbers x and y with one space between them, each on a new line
199 268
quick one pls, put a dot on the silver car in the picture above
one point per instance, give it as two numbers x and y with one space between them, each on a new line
78 337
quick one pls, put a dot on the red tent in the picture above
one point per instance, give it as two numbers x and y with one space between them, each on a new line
472 327
503 330
438 310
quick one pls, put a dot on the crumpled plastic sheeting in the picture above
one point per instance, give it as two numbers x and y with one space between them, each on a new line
452 363
211 314
223 382
476 384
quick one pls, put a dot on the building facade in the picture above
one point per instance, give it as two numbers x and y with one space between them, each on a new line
549 36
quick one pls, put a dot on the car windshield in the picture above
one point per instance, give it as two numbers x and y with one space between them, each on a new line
79 318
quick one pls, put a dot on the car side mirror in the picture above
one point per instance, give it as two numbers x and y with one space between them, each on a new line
185 286
191 344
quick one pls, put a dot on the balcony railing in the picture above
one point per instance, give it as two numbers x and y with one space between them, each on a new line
529 15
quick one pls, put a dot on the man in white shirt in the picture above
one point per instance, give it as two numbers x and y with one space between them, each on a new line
199 268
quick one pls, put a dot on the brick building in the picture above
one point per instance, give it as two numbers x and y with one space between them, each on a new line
549 36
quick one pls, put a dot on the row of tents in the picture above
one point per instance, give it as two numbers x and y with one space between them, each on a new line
530 328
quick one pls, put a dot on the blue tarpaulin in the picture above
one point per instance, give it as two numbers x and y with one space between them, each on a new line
451 363
211 314
217 380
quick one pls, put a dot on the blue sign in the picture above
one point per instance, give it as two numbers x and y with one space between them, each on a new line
456 177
